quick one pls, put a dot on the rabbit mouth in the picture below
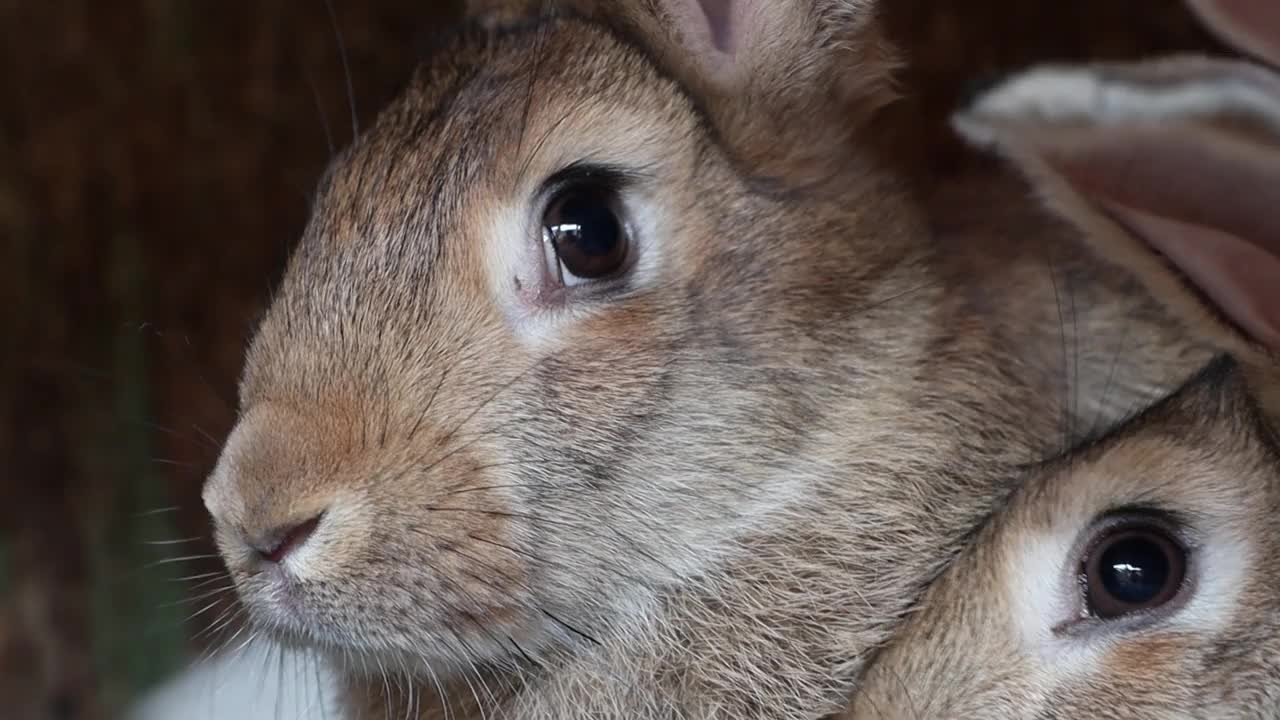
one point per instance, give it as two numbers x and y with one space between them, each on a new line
367 623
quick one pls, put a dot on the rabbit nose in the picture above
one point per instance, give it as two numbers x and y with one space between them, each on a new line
274 546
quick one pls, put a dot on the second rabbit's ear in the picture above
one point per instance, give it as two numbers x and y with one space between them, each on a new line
495 13
1170 168
1251 25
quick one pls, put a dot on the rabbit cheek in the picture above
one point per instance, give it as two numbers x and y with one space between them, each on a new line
468 539
1141 668
449 564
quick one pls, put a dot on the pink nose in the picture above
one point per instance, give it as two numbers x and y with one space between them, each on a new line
276 545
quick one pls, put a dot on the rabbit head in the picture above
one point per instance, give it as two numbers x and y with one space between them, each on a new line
571 378
544 352
1133 577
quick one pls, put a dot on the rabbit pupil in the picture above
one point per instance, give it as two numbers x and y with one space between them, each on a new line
585 231
1136 569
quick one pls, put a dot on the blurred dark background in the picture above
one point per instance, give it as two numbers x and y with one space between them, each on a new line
156 158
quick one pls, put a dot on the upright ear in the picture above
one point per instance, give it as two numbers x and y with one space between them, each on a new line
780 78
1171 168
1251 25
785 82
779 47
500 12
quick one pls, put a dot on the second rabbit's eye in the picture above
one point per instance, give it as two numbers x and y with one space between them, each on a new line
588 238
1130 568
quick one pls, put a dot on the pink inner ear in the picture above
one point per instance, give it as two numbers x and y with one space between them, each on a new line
1183 173
719 16
1240 278
1211 206
710 31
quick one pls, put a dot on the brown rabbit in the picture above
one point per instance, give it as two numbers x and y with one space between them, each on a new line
594 391
1137 577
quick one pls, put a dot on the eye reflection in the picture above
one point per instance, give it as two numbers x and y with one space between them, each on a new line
1132 568
584 230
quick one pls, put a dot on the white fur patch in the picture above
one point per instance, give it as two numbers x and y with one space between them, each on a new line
344 527
1041 592
260 682
517 267
1039 589
1066 94
1221 569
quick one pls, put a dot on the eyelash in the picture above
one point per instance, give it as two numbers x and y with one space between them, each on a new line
610 177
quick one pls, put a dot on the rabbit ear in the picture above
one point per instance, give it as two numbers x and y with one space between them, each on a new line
1171 168
742 44
496 13
717 31
1251 25
785 82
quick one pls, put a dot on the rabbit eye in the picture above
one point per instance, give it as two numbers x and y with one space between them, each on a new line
588 239
1130 568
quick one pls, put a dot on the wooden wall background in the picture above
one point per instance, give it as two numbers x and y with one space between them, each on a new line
155 162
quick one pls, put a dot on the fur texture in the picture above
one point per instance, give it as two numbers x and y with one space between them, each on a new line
994 637
1005 632
1170 166
710 489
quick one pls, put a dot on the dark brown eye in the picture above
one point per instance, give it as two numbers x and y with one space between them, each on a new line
583 227
1131 568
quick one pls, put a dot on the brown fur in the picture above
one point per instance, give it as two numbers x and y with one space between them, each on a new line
1205 455
711 493
983 641
819 74
1170 167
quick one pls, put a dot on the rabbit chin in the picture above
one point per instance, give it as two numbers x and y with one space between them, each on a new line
424 641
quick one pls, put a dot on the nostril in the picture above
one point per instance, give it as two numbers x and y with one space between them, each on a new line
275 546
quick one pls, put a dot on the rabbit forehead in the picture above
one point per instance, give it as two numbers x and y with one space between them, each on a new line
1197 480
1221 499
417 219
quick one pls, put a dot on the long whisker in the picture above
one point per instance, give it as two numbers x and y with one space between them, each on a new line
217 577
500 513
496 393
324 117
182 559
197 598
1101 413
346 67
539 54
157 511
191 361
427 407
198 576
203 610
537 147
179 541
589 638
229 616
